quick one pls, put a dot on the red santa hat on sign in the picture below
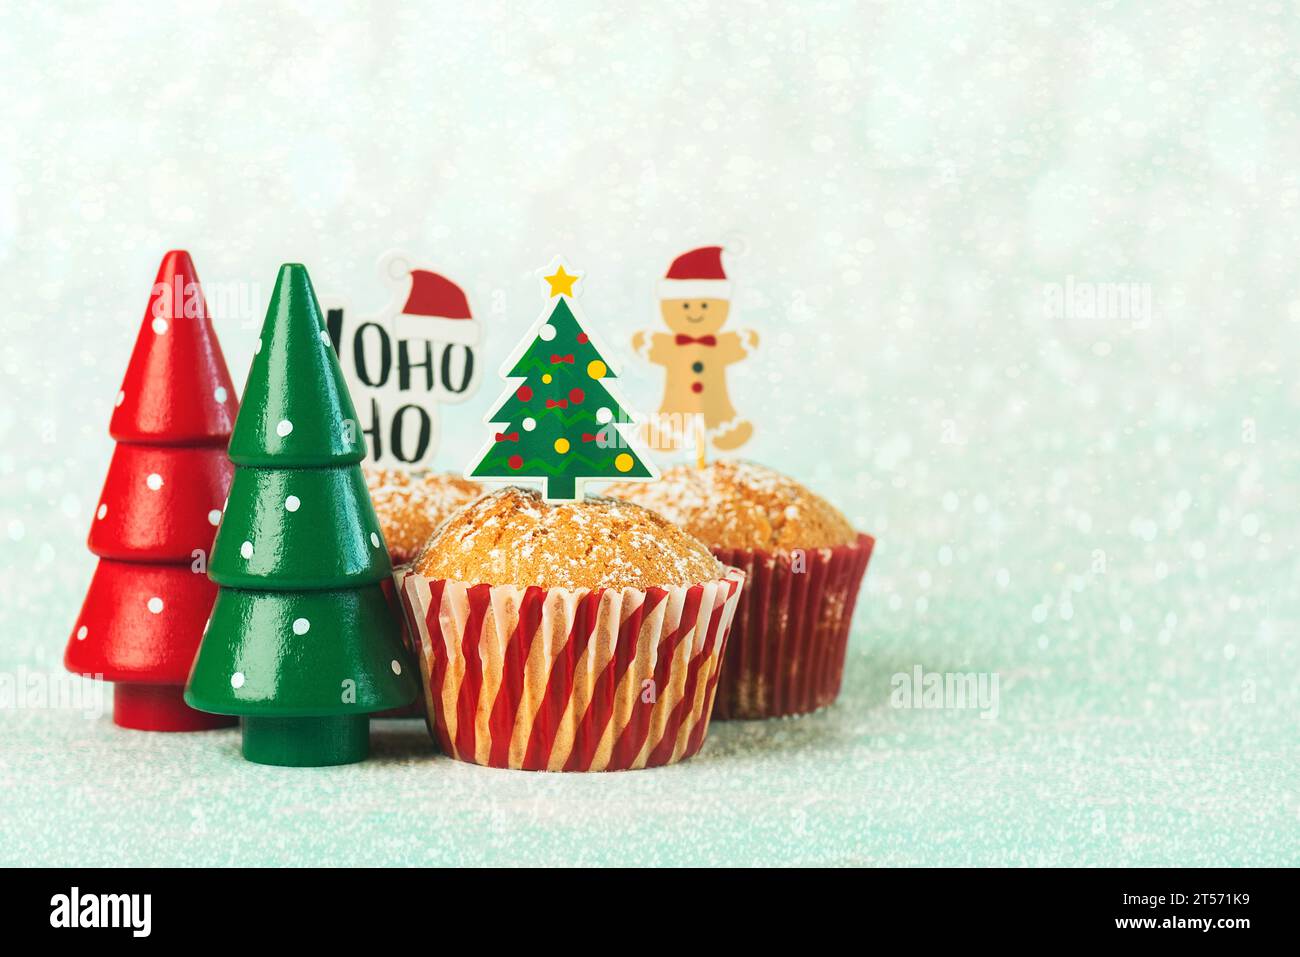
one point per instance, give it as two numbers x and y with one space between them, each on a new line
436 308
696 275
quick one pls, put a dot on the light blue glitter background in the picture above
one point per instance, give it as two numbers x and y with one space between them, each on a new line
1102 510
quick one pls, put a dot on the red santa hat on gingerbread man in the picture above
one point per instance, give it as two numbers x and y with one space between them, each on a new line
436 308
696 275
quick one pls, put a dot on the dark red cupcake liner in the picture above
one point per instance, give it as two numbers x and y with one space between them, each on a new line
791 630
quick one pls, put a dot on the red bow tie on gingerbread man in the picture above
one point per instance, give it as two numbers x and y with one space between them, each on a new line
685 340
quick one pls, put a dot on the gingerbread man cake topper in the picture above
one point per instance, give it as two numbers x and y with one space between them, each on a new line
695 301
559 421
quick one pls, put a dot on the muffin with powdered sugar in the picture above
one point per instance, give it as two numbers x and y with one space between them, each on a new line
804 565
579 636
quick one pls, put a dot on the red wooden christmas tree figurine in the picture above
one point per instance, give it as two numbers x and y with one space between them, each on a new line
163 497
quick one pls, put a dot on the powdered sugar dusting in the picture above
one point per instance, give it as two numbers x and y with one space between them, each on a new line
736 504
410 506
512 537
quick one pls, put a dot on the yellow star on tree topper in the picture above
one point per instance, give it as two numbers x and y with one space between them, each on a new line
561 282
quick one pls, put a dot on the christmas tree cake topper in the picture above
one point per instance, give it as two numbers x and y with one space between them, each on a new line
302 642
419 352
560 420
143 615
694 302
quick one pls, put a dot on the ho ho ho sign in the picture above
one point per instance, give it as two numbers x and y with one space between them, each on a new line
401 364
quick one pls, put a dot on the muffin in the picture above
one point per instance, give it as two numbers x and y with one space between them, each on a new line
581 636
803 563
410 506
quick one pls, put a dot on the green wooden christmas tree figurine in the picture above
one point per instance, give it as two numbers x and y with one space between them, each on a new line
560 420
302 644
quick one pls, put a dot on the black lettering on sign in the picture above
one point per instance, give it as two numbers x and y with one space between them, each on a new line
405 365
397 441
467 369
334 326
359 355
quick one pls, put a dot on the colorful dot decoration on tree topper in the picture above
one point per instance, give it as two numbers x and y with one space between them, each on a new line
143 615
303 643
561 421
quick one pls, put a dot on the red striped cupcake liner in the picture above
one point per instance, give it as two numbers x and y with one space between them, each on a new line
791 631
558 679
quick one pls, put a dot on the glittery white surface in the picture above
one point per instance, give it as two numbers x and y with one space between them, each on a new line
1064 776
1100 509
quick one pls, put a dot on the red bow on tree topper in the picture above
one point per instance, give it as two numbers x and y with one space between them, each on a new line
685 340
557 359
